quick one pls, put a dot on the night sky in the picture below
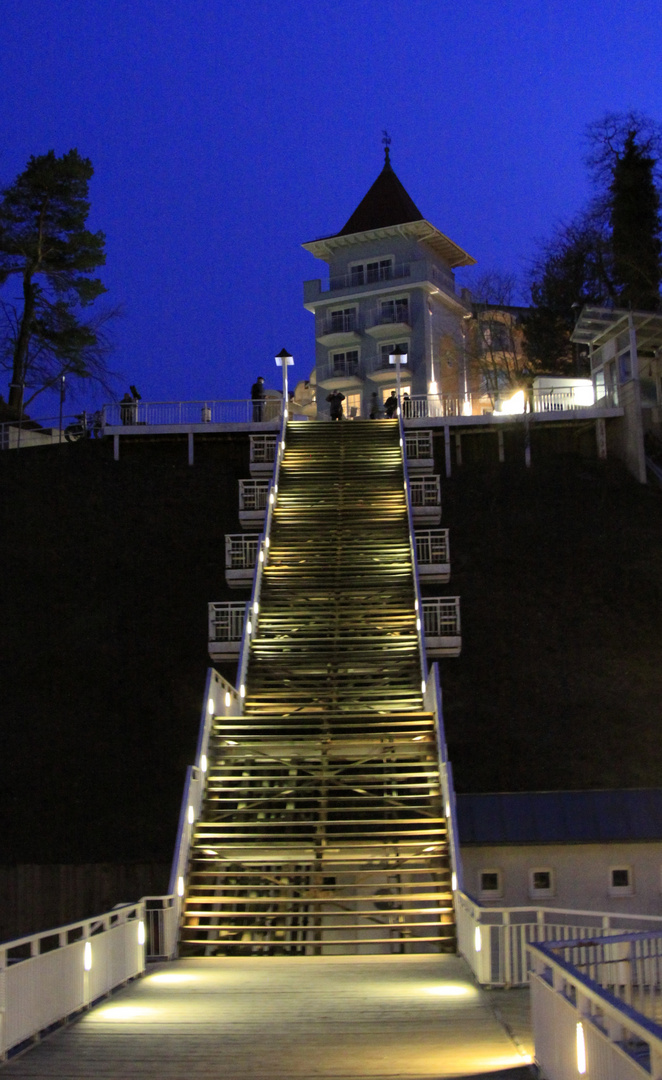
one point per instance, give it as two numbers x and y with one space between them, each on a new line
225 134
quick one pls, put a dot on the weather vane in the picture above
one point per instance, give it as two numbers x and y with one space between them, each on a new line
387 142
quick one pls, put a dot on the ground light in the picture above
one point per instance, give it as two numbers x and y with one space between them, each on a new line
581 1049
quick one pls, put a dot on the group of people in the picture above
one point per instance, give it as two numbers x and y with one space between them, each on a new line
335 400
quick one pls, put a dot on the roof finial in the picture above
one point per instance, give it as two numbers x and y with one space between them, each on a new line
387 142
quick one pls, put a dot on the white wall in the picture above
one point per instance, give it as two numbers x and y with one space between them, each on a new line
581 875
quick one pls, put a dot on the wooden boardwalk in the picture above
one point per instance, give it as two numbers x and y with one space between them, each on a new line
340 1018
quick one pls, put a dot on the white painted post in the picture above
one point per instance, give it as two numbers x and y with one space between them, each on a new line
447 448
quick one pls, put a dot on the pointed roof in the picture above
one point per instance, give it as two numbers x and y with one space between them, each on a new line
386 203
388 210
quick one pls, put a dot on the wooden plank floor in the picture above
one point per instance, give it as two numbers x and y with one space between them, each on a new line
341 1018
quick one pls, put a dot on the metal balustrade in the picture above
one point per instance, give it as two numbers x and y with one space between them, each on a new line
240 558
188 413
418 445
596 1006
426 499
262 454
441 621
226 627
433 556
369 274
50 977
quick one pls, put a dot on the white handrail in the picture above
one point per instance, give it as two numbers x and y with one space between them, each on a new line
434 702
48 977
412 549
221 699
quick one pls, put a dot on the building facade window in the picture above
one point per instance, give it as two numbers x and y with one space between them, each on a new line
367 272
490 884
341 320
621 881
394 311
344 363
387 350
541 883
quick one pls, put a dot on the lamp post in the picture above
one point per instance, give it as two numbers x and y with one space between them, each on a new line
398 357
284 360
466 405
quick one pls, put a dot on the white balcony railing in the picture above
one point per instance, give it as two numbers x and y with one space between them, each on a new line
441 618
369 274
513 403
425 491
241 550
262 450
253 495
595 1005
189 413
418 444
226 627
432 548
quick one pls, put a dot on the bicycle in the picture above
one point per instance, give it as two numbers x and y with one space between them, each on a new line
87 426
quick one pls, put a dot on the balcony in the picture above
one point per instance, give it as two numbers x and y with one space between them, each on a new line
340 373
391 323
340 329
433 556
240 558
425 500
369 274
226 628
441 622
419 447
262 454
253 495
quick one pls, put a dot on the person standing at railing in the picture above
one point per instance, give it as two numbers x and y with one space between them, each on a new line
391 405
406 406
128 409
335 401
258 398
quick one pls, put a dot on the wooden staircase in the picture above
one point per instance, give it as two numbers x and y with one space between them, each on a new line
322 829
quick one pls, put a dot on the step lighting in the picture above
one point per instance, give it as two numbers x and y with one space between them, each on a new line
249 628
203 763
418 625
262 556
454 881
87 956
415 605
478 941
581 1049
256 608
180 886
448 809
228 699
141 932
272 498
209 851
210 706
423 686
266 542
191 815
401 442
242 691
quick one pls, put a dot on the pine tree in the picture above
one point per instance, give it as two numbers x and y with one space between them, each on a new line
46 245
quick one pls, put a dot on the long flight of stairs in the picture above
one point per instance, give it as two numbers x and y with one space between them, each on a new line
322 829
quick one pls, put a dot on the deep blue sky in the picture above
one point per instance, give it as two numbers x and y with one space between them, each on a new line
225 134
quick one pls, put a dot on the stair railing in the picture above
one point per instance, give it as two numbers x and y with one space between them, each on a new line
433 702
420 631
221 699
253 606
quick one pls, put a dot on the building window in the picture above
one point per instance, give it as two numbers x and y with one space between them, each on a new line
541 882
342 320
489 884
387 350
352 405
621 881
395 311
344 363
366 273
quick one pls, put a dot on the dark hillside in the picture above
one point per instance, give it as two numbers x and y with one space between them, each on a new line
560 572
108 567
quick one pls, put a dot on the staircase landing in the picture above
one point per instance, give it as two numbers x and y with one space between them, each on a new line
340 1018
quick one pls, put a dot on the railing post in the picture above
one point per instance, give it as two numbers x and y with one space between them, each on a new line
506 950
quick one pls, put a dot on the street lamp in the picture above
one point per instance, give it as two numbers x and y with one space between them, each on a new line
466 406
284 360
398 357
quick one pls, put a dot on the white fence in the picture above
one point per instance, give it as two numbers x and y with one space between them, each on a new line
48 977
176 413
494 940
241 550
226 620
435 406
253 495
263 449
432 547
584 1023
425 491
418 445
441 617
